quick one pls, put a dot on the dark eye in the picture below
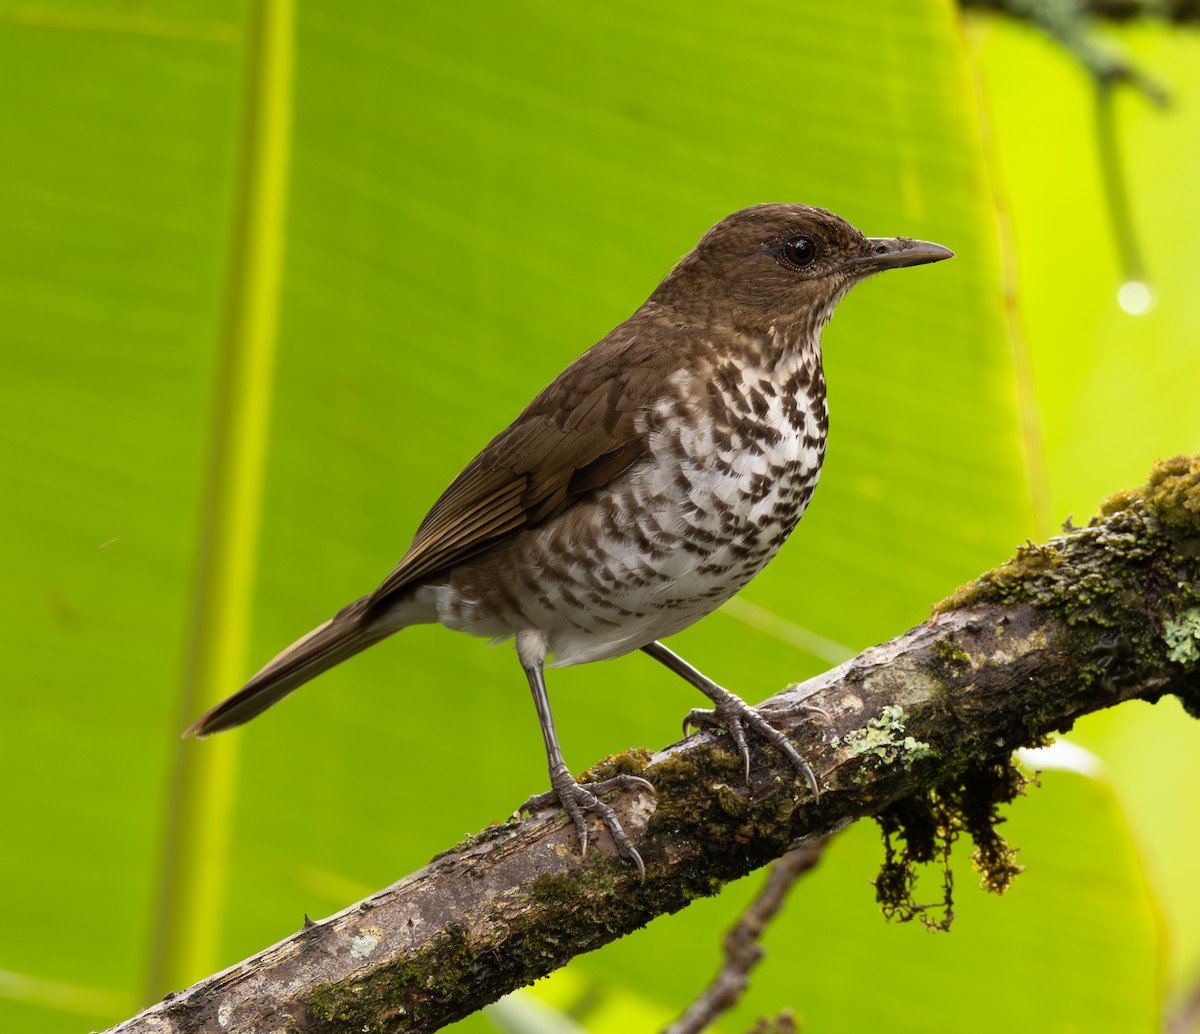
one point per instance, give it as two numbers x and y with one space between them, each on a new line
799 251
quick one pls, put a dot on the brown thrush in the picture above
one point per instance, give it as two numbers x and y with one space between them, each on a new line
653 478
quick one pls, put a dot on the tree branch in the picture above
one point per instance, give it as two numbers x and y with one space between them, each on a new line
1102 614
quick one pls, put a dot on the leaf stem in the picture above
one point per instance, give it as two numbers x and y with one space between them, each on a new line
196 835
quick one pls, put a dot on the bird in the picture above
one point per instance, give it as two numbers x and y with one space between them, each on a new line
648 483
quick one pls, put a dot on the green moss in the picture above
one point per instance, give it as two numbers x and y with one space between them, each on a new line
582 891
705 806
403 991
1172 495
1126 589
922 829
950 652
628 762
1127 582
1060 575
1074 574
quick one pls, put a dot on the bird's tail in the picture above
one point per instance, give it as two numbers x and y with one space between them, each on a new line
343 635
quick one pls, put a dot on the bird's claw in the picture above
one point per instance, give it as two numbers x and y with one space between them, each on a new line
577 798
734 715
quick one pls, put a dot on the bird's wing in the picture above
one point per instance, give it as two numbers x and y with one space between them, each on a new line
577 435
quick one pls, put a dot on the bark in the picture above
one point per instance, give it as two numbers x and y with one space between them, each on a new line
1097 616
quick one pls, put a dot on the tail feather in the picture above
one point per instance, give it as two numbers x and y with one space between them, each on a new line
342 636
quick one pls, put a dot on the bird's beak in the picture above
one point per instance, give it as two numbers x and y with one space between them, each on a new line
894 252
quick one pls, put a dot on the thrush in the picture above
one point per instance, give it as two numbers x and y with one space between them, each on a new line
648 483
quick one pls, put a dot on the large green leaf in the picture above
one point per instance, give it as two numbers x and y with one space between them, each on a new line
1113 390
117 153
476 193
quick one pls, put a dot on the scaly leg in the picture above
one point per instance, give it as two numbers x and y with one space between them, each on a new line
575 798
734 714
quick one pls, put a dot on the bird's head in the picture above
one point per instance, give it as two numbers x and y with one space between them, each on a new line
781 268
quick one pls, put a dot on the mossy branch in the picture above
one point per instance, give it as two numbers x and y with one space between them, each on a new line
1097 616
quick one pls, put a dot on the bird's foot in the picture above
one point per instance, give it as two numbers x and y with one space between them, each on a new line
735 716
577 798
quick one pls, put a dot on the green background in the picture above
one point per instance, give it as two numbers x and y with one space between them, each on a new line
469 197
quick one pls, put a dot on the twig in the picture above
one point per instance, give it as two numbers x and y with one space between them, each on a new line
743 949
1185 1017
1067 23
1178 11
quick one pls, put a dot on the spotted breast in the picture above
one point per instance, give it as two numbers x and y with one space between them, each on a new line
735 442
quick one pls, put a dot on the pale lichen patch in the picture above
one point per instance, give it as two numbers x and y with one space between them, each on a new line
1183 636
884 738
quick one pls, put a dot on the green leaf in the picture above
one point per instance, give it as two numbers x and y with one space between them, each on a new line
475 194
1113 390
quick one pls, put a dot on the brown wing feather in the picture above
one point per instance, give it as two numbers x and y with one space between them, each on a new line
576 436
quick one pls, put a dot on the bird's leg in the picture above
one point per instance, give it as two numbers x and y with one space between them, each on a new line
576 798
733 714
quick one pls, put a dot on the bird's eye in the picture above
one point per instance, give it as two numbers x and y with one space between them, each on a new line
799 251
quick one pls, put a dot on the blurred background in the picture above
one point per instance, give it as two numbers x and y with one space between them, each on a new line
271 272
